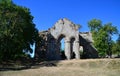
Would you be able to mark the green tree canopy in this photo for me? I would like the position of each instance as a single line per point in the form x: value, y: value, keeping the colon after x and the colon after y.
x: 95, y: 25
x: 102, y: 36
x: 117, y: 50
x: 17, y: 30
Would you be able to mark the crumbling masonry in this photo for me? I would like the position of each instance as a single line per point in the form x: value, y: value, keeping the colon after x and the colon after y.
x: 74, y: 41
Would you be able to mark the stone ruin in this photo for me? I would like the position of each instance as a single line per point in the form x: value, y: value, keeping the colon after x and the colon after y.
x: 75, y: 42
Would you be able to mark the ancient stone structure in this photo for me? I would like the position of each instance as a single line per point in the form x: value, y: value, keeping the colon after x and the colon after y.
x: 73, y: 41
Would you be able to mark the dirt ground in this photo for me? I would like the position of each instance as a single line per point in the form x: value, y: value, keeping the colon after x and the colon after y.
x: 87, y: 67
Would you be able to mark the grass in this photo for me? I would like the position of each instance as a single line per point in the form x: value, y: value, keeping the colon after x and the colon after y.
x: 88, y: 67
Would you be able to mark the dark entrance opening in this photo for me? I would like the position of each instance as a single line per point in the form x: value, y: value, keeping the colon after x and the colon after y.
x: 61, y: 42
x: 72, y: 47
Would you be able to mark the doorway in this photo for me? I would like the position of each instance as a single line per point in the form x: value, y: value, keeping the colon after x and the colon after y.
x: 61, y: 42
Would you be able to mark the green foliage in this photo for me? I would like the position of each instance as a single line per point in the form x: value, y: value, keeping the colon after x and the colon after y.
x: 102, y: 36
x: 17, y: 30
x: 116, y: 47
x: 118, y: 40
x: 95, y: 25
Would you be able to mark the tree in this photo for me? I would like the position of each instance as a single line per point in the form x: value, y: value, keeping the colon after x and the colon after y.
x: 110, y: 30
x: 118, y: 46
x: 115, y: 49
x: 94, y: 25
x: 102, y: 36
x: 17, y: 30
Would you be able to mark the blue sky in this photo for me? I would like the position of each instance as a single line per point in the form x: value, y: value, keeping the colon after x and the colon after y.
x: 47, y: 12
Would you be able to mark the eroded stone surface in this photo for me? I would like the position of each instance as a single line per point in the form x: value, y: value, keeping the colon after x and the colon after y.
x: 66, y: 29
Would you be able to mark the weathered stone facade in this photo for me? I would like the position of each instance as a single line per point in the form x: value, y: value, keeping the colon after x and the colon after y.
x: 73, y: 40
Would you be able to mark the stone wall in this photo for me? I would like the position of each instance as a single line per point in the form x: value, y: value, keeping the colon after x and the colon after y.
x: 66, y: 29
x: 86, y: 41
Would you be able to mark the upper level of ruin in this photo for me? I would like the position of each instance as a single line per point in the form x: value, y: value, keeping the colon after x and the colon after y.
x: 67, y: 28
